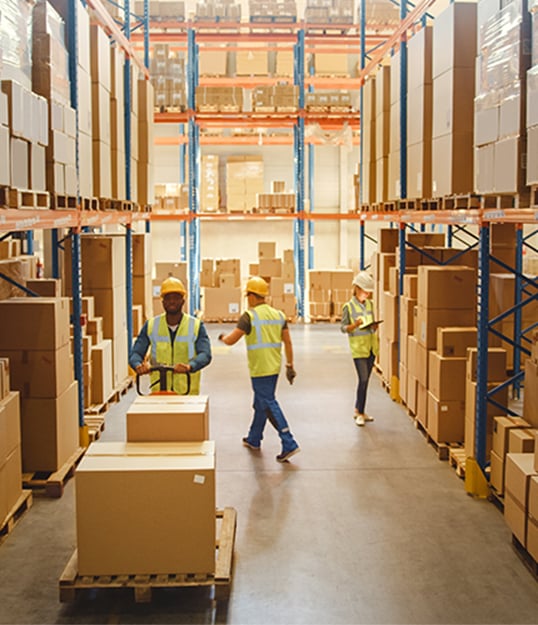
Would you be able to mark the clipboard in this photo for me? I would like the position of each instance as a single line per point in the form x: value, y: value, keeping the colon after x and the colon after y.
x: 373, y: 323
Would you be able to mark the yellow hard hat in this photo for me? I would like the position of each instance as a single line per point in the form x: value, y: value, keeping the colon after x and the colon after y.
x: 258, y: 286
x: 172, y: 285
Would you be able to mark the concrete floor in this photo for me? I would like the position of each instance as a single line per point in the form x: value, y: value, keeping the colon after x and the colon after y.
x: 365, y: 525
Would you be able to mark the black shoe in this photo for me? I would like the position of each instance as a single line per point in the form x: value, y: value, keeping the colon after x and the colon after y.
x: 286, y: 455
x: 250, y: 445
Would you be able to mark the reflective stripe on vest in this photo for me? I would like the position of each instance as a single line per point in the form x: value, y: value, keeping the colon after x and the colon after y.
x: 183, y: 350
x: 362, y: 342
x: 265, y: 340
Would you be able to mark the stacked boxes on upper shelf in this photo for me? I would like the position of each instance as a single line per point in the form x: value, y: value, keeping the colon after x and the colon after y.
x: 394, y: 185
x: 500, y: 103
x: 532, y: 100
x: 218, y: 11
x: 382, y: 132
x: 419, y: 121
x: 244, y: 180
x: 453, y: 71
x: 167, y: 71
x: 117, y: 123
x: 50, y: 78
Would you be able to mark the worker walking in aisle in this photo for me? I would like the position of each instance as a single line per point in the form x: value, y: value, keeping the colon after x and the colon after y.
x: 265, y: 329
x: 359, y: 324
x: 176, y: 339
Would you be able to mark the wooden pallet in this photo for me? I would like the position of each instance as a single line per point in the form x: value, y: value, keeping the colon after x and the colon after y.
x: 534, y: 196
x: 441, y: 449
x: 61, y: 201
x: 96, y: 425
x: 115, y: 205
x: 51, y: 484
x: 525, y: 557
x: 23, y: 503
x: 89, y: 203
x: 505, y: 200
x: 114, y: 398
x: 26, y: 198
x: 457, y: 458
x: 455, y: 202
x: 72, y: 583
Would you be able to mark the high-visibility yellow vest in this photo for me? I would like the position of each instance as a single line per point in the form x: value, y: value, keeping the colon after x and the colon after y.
x: 264, y: 342
x: 163, y: 352
x: 362, y: 342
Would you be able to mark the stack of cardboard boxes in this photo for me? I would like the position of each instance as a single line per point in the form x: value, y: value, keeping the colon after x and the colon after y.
x: 50, y: 78
x: 220, y: 280
x: 219, y: 99
x: 10, y: 444
x: 329, y: 291
x: 103, y: 277
x: 142, y: 284
x: 244, y: 180
x: 500, y: 104
x: 280, y: 274
x: 162, y: 270
x: 382, y: 132
x: 167, y: 70
x: 168, y: 461
x: 172, y: 198
x: 41, y: 370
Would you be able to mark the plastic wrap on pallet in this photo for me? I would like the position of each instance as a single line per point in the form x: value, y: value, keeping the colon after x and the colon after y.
x: 50, y: 71
x: 15, y: 41
x: 167, y: 72
x: 532, y: 97
x: 502, y: 49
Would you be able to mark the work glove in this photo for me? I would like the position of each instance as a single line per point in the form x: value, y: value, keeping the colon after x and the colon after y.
x: 290, y: 373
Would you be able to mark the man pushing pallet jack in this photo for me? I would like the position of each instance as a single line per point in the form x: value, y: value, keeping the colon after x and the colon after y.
x: 146, y: 510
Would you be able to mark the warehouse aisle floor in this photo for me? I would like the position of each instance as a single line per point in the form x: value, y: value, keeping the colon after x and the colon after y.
x: 365, y: 525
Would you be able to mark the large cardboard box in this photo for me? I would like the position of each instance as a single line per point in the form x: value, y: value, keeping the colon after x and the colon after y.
x: 103, y: 262
x: 515, y: 516
x: 496, y: 364
x: 45, y: 321
x: 446, y: 287
x: 10, y: 424
x: 221, y: 303
x: 446, y: 377
x: 41, y: 373
x: 453, y: 342
x: 454, y: 37
x: 168, y: 419
x: 519, y: 468
x: 501, y: 431
x: 49, y: 430
x: 532, y: 519
x: 496, y: 478
x: 430, y: 319
x: 102, y: 384
x: 521, y: 441
x: 147, y: 530
x: 446, y: 419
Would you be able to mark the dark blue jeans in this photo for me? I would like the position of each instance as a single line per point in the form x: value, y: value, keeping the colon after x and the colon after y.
x: 266, y: 407
x: 364, y: 369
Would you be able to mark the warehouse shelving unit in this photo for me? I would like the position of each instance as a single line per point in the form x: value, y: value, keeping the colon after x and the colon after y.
x: 302, y: 38
x: 75, y: 221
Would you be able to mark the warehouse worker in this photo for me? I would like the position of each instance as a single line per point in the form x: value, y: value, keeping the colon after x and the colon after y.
x: 176, y: 339
x: 358, y: 323
x: 265, y: 329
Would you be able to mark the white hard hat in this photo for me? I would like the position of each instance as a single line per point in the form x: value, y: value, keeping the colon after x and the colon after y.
x: 364, y: 281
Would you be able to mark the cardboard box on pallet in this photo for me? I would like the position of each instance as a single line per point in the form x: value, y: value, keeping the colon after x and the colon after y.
x: 446, y: 419
x: 446, y: 287
x: 519, y: 468
x: 496, y: 477
x: 168, y: 420
x: 532, y: 518
x: 470, y: 415
x: 130, y: 495
x: 49, y: 430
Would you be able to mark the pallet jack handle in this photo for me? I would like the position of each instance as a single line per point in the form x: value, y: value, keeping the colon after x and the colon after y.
x: 163, y: 370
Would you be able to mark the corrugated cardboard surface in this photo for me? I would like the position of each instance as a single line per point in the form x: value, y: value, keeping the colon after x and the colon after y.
x: 158, y: 511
